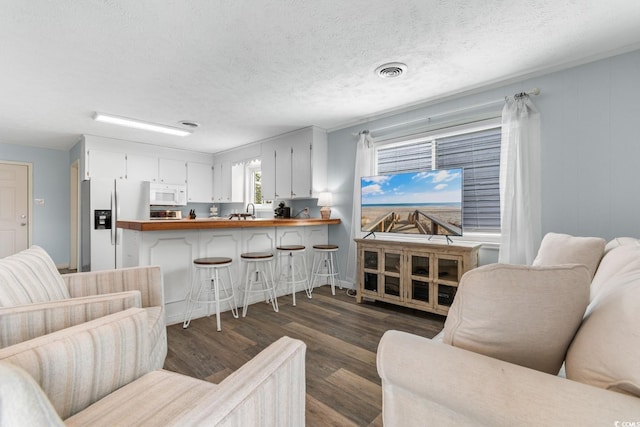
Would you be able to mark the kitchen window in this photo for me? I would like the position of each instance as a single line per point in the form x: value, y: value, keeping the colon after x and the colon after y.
x: 254, y: 186
x: 474, y: 147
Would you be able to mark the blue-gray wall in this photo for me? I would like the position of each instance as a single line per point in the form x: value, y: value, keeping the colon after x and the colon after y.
x: 50, y: 222
x: 590, y: 149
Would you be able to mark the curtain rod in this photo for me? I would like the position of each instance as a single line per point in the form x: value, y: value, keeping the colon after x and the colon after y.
x: 535, y: 91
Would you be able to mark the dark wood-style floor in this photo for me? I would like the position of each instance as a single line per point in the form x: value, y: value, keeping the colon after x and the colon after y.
x: 343, y: 387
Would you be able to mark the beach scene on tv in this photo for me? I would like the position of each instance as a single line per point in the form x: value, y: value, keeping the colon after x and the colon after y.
x: 428, y: 202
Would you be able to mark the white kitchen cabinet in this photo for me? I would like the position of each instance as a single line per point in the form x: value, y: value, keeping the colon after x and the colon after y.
x: 105, y: 164
x: 142, y: 168
x: 172, y: 171
x: 217, y: 182
x: 294, y: 165
x: 283, y: 157
x: 301, y: 173
x: 199, y: 182
x: 222, y: 181
x: 228, y: 182
x: 237, y: 183
x: 268, y: 170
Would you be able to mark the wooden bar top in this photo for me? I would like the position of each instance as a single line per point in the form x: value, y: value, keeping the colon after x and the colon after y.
x: 204, y: 223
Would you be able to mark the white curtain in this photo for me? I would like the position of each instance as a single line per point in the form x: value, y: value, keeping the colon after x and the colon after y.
x: 520, y: 182
x: 364, y: 166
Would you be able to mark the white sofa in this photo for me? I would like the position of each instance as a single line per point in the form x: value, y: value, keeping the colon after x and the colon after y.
x: 97, y: 373
x: 35, y: 299
x: 497, y: 360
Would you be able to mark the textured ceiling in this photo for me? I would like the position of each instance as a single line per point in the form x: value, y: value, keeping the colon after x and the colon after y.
x: 248, y: 70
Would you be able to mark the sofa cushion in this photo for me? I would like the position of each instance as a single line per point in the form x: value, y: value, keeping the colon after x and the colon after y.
x: 22, y: 401
x: 620, y: 241
x: 520, y: 314
x: 30, y: 276
x: 79, y: 365
x: 622, y: 256
x: 557, y: 249
x: 604, y: 352
x: 158, y: 398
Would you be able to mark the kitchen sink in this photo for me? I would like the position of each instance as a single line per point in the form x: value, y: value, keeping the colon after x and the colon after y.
x: 241, y: 216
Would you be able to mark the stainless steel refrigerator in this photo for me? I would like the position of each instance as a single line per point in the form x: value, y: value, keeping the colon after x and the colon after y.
x: 102, y: 204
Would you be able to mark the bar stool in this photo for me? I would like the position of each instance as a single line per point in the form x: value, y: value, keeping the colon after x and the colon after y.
x: 201, y: 294
x: 294, y: 274
x: 258, y: 271
x: 324, y: 259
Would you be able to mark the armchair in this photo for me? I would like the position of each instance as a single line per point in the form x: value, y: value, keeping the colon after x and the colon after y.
x: 427, y: 383
x: 36, y: 300
x: 97, y: 373
x: 498, y: 360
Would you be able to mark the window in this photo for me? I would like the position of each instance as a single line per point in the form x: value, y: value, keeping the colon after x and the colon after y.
x: 475, y: 148
x: 254, y: 185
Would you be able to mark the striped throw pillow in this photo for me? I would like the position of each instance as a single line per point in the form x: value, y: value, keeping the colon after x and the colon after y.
x: 30, y: 276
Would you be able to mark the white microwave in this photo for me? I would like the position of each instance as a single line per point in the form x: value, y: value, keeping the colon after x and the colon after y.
x: 167, y: 194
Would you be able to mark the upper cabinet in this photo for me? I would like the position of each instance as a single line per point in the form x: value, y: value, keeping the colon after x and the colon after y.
x: 237, y: 183
x: 105, y: 164
x: 172, y: 171
x: 228, y: 182
x: 302, y: 171
x: 294, y: 165
x: 134, y: 167
x: 284, y: 174
x: 142, y: 168
x: 221, y: 181
x: 268, y: 170
x: 199, y: 182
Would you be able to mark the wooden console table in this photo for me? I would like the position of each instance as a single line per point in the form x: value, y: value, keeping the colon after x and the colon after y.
x: 424, y: 276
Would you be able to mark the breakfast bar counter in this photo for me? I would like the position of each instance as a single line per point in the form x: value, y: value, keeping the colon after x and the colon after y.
x: 205, y: 223
x: 173, y: 244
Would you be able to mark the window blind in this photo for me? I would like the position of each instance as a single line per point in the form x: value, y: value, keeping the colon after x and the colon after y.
x: 405, y: 158
x: 479, y: 154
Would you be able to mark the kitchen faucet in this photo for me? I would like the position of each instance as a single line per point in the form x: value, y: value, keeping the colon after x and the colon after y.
x: 253, y: 210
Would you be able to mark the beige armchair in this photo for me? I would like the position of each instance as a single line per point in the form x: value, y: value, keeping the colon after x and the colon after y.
x: 510, y: 329
x: 36, y: 300
x: 97, y: 373
x: 426, y: 383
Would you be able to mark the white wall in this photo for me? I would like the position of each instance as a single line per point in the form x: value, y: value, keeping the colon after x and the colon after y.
x: 590, y: 149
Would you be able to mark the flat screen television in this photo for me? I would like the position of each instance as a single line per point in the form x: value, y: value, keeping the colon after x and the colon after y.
x: 427, y: 203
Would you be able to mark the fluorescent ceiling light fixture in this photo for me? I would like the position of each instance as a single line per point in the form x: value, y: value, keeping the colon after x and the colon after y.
x: 138, y: 124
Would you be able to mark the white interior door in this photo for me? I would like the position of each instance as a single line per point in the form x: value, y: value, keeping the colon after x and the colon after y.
x: 14, y: 208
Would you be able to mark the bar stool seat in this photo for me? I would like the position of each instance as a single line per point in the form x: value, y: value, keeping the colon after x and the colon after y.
x: 291, y: 248
x: 325, y: 265
x: 258, y: 270
x: 210, y: 295
x: 296, y: 271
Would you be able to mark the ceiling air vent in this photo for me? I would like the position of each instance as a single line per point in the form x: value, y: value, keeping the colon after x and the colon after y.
x: 391, y: 70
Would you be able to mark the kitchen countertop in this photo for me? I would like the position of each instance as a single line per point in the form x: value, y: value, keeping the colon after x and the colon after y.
x: 203, y: 223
